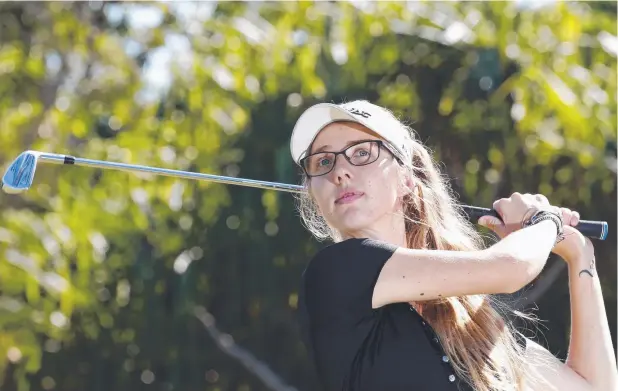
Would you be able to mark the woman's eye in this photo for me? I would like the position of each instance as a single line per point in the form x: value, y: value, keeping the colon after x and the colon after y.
x: 361, y: 152
x: 323, y: 162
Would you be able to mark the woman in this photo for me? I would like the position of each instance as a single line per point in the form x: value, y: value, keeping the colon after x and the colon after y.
x: 401, y: 300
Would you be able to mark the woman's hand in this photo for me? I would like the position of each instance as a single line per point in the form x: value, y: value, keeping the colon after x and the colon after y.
x: 513, y: 211
x: 574, y: 246
x: 518, y: 207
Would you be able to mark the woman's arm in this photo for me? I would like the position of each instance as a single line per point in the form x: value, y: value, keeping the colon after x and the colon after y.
x: 590, y: 363
x: 507, y: 266
x: 591, y: 353
x: 545, y: 372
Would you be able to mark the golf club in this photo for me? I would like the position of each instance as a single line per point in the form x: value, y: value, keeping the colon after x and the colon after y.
x: 20, y: 175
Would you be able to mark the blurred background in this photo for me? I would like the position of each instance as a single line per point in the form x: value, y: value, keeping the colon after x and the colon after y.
x: 117, y: 281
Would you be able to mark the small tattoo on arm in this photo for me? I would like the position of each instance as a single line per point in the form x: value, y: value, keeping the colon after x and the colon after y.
x: 589, y: 271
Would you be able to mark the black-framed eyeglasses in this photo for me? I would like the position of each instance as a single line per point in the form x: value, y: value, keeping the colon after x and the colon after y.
x: 358, y: 154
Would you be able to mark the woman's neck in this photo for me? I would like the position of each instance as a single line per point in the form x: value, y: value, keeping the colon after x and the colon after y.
x: 390, y: 229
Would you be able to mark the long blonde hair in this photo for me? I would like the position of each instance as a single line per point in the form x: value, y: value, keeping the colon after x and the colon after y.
x: 479, y: 342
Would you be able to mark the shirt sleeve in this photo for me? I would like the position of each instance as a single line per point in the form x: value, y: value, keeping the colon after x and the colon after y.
x: 339, y: 282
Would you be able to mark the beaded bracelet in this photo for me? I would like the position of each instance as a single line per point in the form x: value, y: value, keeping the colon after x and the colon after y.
x: 542, y: 215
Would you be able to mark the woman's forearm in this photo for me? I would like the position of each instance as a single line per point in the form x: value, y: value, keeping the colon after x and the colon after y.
x: 590, y: 354
x: 529, y: 248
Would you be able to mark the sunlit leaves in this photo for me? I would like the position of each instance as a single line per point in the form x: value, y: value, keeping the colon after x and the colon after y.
x: 86, y: 249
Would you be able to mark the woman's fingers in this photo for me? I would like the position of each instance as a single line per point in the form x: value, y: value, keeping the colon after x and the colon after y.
x: 519, y: 207
x: 569, y: 217
x: 494, y: 224
x: 542, y: 199
x: 575, y: 218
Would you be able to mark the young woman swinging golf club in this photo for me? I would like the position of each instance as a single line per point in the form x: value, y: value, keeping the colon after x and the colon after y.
x: 403, y: 299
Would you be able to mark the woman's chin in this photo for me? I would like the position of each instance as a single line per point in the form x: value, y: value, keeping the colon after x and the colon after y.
x: 352, y: 220
x: 352, y: 227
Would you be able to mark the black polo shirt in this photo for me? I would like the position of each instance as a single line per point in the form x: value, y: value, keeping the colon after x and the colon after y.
x: 355, y: 347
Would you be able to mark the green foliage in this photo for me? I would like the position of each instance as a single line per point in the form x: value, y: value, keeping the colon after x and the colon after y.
x: 100, y: 270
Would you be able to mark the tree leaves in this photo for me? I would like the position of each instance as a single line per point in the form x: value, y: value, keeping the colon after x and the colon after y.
x: 107, y: 261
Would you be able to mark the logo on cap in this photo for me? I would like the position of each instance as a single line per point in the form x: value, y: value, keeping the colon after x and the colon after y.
x: 358, y: 112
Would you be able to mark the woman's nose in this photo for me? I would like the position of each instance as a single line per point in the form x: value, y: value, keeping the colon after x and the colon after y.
x: 342, y: 170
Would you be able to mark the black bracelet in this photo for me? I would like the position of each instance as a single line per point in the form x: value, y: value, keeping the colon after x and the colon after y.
x: 547, y: 215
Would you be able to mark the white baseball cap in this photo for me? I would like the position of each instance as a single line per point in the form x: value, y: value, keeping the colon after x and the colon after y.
x: 373, y: 117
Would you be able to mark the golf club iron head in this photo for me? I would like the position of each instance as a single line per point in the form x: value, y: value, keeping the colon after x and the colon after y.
x: 20, y: 174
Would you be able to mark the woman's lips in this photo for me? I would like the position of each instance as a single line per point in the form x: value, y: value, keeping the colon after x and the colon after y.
x: 349, y: 197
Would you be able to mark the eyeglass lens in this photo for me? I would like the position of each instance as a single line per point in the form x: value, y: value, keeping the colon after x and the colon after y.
x: 359, y: 154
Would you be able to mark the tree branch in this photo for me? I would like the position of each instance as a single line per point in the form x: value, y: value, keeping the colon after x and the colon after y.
x: 226, y: 343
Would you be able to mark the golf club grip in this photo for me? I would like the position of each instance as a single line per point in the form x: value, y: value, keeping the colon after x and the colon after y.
x: 591, y: 229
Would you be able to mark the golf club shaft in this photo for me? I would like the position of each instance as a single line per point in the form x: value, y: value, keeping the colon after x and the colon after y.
x: 70, y: 160
x: 592, y: 229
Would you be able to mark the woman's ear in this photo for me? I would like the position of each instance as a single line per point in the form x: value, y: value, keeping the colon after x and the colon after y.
x: 408, y: 185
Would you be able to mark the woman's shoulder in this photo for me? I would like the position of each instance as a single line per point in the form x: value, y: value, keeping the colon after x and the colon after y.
x: 342, y: 275
x: 350, y: 254
x: 352, y: 247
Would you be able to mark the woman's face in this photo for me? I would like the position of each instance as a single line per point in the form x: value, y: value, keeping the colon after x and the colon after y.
x: 355, y: 199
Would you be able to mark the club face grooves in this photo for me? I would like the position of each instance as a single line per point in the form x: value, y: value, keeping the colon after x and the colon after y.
x: 20, y: 174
